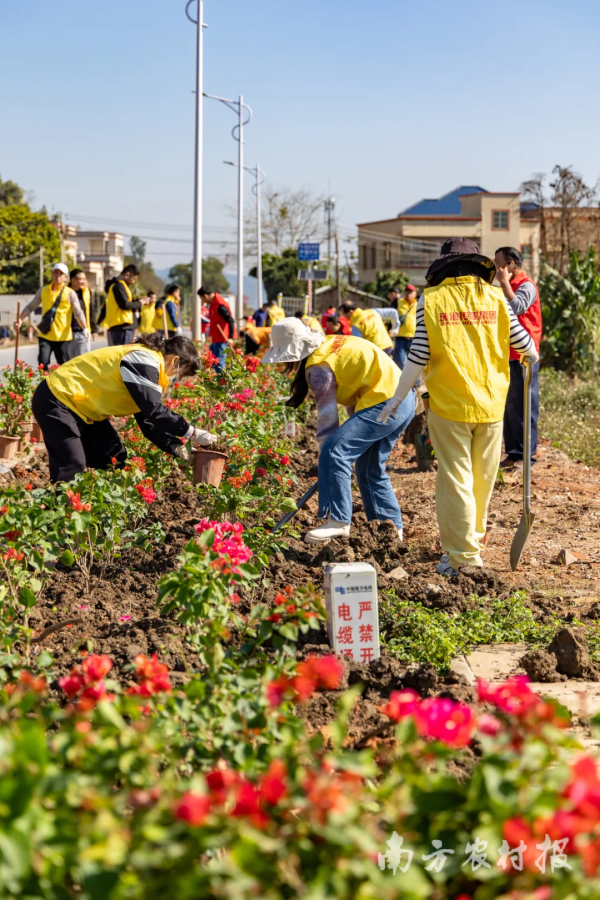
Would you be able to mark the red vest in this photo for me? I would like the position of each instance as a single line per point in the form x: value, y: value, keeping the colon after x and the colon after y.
x: 531, y: 320
x: 325, y: 316
x: 219, y: 329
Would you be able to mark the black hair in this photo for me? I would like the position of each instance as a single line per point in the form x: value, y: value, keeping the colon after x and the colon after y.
x: 299, y: 388
x: 299, y: 315
x: 512, y: 254
x: 172, y: 287
x: 459, y: 269
x: 108, y: 284
x: 347, y: 307
x: 333, y: 319
x: 271, y: 302
x: 130, y: 270
x: 74, y: 272
x: 180, y: 346
x: 204, y: 292
x: 152, y: 293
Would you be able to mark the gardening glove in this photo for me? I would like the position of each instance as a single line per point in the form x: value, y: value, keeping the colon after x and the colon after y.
x: 394, y: 332
x: 203, y: 438
x: 86, y: 334
x: 410, y: 373
x: 532, y: 355
x: 181, y: 452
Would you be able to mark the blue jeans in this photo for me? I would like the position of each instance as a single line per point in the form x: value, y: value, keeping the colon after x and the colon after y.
x: 219, y: 351
x: 364, y: 440
x: 513, y: 412
x: 401, y: 349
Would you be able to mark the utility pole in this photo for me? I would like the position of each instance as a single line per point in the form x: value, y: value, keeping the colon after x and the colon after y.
x: 62, y: 238
x: 41, y: 267
x: 259, y: 286
x: 338, y: 278
x: 240, y: 295
x: 329, y: 208
x: 197, y: 247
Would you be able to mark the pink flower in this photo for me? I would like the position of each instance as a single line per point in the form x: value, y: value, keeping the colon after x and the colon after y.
x: 124, y: 618
x: 401, y: 704
x: 444, y: 720
x: 514, y: 696
x: 228, y: 542
x: 488, y: 724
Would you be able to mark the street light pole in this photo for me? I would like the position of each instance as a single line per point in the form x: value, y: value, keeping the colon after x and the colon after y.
x: 240, y: 293
x: 259, y: 176
x: 197, y: 247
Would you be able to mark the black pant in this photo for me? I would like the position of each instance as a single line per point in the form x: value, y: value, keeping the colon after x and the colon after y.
x: 47, y: 348
x: 251, y: 346
x: 119, y: 335
x: 72, y: 444
x: 513, y: 414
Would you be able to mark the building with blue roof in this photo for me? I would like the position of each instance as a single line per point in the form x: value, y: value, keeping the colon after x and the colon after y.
x: 412, y: 239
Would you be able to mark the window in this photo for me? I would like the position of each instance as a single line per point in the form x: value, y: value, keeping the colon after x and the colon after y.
x: 387, y: 248
x: 500, y: 219
x: 526, y: 251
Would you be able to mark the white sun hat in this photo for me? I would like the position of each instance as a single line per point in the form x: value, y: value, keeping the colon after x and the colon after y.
x: 291, y: 341
x: 61, y: 267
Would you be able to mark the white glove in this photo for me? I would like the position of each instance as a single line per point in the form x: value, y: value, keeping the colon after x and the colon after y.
x: 86, y: 334
x: 532, y: 355
x: 394, y: 332
x: 179, y: 330
x: 410, y: 373
x: 203, y: 438
x: 389, y: 409
x: 181, y: 452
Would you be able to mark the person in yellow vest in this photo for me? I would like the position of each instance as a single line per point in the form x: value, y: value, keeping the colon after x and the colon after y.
x: 147, y: 314
x: 80, y: 344
x: 347, y: 371
x: 311, y: 321
x: 120, y: 307
x: 73, y: 405
x: 275, y: 312
x: 369, y: 324
x: 60, y: 305
x: 256, y: 337
x: 465, y: 329
x: 172, y: 309
x: 407, y: 311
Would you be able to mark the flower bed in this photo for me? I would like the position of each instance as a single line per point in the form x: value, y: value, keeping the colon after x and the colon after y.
x: 124, y: 777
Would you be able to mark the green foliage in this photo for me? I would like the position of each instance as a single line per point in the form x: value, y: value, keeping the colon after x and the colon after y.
x: 11, y: 194
x: 571, y: 314
x: 280, y: 275
x: 570, y: 414
x: 23, y: 232
x: 212, y: 276
x: 148, y: 280
x: 385, y: 281
x: 413, y: 633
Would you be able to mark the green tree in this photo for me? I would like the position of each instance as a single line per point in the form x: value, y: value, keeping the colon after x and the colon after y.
x: 384, y: 282
x: 148, y: 280
x: 11, y: 194
x: 23, y: 232
x: 212, y: 276
x: 280, y: 275
x: 571, y: 314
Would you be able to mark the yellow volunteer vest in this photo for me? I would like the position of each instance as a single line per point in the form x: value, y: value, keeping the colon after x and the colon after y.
x: 370, y: 324
x: 87, y: 301
x: 159, y: 320
x: 92, y: 387
x: 171, y: 325
x: 259, y: 335
x: 409, y: 310
x: 114, y: 314
x: 364, y: 374
x: 313, y: 323
x: 276, y: 313
x: 61, y: 326
x: 469, y: 339
x: 147, y: 319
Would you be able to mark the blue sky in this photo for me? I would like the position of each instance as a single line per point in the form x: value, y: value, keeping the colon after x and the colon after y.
x: 381, y: 104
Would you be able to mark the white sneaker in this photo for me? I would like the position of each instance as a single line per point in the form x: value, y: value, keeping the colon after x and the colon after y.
x: 401, y: 533
x: 327, y: 531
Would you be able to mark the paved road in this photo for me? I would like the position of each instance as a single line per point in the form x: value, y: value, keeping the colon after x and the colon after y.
x: 29, y: 353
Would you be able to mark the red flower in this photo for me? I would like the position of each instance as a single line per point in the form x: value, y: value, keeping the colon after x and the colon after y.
x: 113, y: 460
x: 3, y: 510
x: 76, y: 504
x: 11, y: 535
x: 152, y: 677
x: 260, y: 473
x: 38, y: 685
x: 272, y: 786
x: 193, y: 809
x: 146, y: 492
x: 284, y: 460
x: 220, y: 782
x: 248, y: 804
x: 29, y: 487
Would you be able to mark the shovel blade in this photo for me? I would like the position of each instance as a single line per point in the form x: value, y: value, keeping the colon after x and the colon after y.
x: 520, y: 539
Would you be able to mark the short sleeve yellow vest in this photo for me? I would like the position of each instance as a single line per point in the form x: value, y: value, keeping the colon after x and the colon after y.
x: 92, y: 387
x: 370, y: 324
x: 114, y: 314
x: 469, y: 339
x: 61, y: 326
x: 408, y: 328
x: 364, y: 374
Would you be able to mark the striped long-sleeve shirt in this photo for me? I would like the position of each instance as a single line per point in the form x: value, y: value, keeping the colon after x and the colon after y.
x: 419, y: 352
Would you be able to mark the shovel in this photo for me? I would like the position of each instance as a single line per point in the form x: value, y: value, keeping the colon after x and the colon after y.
x: 527, y: 519
x: 300, y: 503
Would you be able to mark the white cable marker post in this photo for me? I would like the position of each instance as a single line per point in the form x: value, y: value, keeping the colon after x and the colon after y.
x: 352, y: 610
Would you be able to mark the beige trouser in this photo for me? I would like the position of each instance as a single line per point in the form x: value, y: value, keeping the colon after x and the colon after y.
x: 468, y: 457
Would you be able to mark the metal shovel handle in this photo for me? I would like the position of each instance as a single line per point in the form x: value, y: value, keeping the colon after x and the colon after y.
x: 527, y: 376
x: 300, y: 503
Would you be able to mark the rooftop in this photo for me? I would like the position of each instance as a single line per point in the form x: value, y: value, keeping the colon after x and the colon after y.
x: 448, y: 205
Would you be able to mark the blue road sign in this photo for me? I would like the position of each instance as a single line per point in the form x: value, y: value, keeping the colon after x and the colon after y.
x: 308, y: 252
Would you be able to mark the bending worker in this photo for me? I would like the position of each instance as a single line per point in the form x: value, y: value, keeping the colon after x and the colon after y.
x: 465, y: 329
x: 74, y: 403
x: 368, y: 323
x: 356, y: 374
x: 60, y: 304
